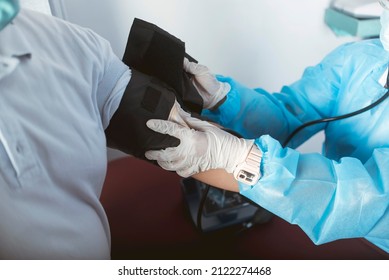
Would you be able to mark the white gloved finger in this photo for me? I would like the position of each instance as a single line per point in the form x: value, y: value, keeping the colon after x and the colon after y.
x: 165, y: 127
x: 172, y: 156
x: 187, y: 172
x: 211, y: 90
x: 167, y: 165
x: 194, y: 68
x: 177, y: 114
x: 198, y: 124
x: 160, y: 155
x: 179, y: 162
x: 173, y: 165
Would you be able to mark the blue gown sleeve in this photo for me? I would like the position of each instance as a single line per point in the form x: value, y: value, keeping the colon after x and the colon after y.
x: 329, y: 200
x: 255, y: 112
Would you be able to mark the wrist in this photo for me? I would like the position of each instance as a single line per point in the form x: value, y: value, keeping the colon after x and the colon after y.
x: 248, y: 171
x: 219, y: 97
x: 177, y: 114
x: 214, y: 108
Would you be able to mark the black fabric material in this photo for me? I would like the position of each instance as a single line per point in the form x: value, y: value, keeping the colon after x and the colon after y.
x: 144, y: 98
x: 153, y: 51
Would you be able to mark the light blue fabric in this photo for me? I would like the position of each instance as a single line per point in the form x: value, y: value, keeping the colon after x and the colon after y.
x: 343, y: 192
x: 54, y: 106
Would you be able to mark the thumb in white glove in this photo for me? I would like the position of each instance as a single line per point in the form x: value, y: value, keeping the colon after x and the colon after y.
x: 203, y: 147
x: 211, y: 90
x: 178, y: 115
x: 384, y: 33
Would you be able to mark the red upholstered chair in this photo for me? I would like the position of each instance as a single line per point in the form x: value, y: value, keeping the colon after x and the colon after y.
x: 148, y: 220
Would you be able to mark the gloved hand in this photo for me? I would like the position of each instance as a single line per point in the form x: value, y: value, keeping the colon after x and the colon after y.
x: 178, y: 115
x: 384, y: 4
x: 203, y: 147
x: 211, y: 90
x: 384, y: 33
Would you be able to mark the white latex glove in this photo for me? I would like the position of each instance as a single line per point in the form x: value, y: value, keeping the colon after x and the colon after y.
x: 384, y: 33
x: 384, y: 4
x: 203, y: 147
x: 211, y: 90
x: 178, y: 115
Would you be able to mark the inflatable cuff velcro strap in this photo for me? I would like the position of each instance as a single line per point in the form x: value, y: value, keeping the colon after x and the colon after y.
x: 144, y: 98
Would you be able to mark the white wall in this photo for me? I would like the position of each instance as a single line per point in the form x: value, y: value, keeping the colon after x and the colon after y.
x: 261, y: 43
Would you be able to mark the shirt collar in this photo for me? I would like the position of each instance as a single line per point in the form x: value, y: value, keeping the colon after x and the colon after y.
x: 12, y: 55
x: 14, y: 50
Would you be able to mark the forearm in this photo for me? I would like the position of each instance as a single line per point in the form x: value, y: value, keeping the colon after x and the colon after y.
x: 253, y: 113
x: 329, y: 200
x: 248, y: 113
x: 218, y: 178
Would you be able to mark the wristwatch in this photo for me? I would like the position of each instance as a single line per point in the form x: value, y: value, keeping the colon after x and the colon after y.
x: 248, y: 171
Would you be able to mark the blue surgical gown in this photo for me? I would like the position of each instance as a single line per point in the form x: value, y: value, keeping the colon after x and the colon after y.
x: 343, y: 192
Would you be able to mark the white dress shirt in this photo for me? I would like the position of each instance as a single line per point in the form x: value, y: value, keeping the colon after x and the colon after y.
x: 59, y: 86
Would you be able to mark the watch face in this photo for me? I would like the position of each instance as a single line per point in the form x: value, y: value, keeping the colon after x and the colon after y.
x: 247, y: 177
x: 248, y: 171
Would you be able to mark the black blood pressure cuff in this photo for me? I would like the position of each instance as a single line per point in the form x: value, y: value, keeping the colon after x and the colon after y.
x: 155, y: 52
x: 158, y: 79
x: 144, y: 98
